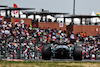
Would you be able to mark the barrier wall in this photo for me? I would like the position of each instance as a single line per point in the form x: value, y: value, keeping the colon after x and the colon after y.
x: 51, y: 25
x: 91, y: 30
x: 26, y: 21
x: 39, y: 24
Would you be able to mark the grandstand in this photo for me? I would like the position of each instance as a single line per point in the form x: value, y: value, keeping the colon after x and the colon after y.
x: 22, y: 38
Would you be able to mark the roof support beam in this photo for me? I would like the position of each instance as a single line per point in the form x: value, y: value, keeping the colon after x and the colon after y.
x: 85, y: 21
x: 34, y: 17
x: 41, y: 18
x: 64, y: 20
x: 10, y: 14
x: 81, y: 21
x: 6, y: 14
x: 26, y: 15
x: 19, y: 13
x: 45, y: 18
x: 72, y: 21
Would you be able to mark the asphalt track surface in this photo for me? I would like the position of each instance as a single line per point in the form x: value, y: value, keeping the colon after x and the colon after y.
x: 66, y: 60
x: 56, y: 60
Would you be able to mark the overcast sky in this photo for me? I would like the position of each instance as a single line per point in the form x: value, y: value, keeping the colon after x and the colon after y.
x: 82, y: 6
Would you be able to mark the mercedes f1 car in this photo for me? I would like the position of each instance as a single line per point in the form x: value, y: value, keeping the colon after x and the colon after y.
x: 62, y: 51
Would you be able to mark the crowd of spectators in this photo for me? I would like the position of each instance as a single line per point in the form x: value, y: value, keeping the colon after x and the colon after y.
x: 21, y: 40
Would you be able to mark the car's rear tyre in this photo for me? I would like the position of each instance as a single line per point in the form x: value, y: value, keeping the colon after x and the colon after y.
x: 77, y: 54
x: 46, y: 52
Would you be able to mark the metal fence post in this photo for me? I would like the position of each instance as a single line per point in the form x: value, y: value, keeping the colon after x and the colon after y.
x: 5, y: 48
x: 20, y: 50
x: 20, y: 47
x: 35, y: 50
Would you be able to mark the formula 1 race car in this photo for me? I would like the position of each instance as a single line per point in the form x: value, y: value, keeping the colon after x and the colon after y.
x: 62, y: 51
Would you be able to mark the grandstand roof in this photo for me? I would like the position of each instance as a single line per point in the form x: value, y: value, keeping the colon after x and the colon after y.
x: 43, y: 13
x: 3, y: 6
x: 80, y: 16
x: 11, y: 8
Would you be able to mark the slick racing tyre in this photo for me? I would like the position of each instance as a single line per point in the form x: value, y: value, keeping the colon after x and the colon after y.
x: 46, y: 52
x: 77, y: 53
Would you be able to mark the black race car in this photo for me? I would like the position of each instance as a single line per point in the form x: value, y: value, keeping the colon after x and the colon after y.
x: 62, y: 51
